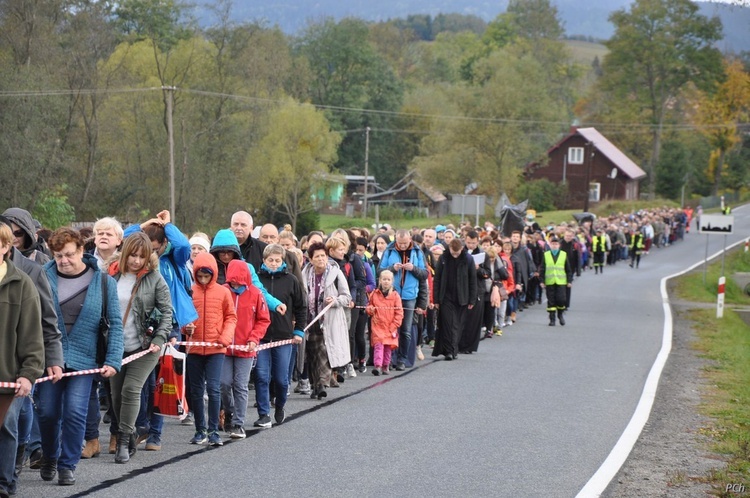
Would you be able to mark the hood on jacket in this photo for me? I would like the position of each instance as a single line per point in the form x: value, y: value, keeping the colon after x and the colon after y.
x: 280, y: 269
x: 205, y: 260
x: 226, y: 240
x: 239, y: 273
x: 23, y: 219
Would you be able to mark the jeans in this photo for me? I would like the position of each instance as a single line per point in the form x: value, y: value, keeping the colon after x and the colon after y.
x: 92, y: 416
x: 272, y: 364
x: 62, y: 409
x: 146, y: 417
x: 205, y: 370
x: 404, y: 333
x: 235, y: 375
x: 9, y: 441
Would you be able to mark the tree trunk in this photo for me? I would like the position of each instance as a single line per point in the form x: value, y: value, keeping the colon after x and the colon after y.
x: 717, y: 172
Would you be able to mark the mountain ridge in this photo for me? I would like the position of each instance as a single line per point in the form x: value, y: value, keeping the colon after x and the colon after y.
x: 292, y: 17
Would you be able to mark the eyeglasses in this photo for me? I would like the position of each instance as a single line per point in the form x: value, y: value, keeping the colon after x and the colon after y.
x: 18, y: 233
x: 59, y: 256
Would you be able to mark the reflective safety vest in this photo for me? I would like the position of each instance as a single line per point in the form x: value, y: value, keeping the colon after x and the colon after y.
x: 599, y: 243
x: 555, y: 270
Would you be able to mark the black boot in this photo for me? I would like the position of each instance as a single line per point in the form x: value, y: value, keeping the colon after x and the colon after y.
x: 551, y: 318
x: 122, y: 454
x: 560, y: 317
x: 132, y: 444
x: 20, y: 456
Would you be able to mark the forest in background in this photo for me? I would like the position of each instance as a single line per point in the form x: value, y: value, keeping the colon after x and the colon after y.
x: 260, y: 117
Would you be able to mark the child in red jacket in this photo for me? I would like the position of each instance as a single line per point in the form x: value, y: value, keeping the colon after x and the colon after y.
x: 252, y: 321
x: 387, y: 313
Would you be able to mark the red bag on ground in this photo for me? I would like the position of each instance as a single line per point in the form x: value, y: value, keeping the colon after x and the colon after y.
x: 169, y: 397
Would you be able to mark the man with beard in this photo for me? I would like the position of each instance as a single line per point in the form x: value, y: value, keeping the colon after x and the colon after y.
x: 455, y: 293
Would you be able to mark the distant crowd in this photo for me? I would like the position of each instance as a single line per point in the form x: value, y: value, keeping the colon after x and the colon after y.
x: 261, y: 310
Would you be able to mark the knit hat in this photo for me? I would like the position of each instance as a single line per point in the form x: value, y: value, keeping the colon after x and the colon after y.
x: 200, y: 241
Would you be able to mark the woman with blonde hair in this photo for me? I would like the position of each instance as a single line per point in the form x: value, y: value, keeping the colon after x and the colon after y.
x: 144, y: 297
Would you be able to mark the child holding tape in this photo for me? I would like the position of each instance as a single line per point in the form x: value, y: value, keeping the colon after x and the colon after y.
x: 387, y: 313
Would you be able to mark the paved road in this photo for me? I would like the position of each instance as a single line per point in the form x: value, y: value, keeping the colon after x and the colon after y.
x: 534, y: 413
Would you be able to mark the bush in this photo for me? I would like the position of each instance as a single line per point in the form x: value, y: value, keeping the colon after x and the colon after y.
x: 53, y: 210
x: 543, y: 195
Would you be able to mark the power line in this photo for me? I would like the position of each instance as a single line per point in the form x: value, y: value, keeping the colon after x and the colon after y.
x: 632, y: 127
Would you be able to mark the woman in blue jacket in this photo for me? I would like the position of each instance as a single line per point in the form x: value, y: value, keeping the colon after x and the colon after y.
x: 76, y: 283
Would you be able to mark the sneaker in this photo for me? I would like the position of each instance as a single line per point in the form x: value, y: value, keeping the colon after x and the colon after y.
x: 141, y: 434
x: 279, y: 416
x: 304, y: 386
x: 386, y: 369
x: 362, y: 367
x: 237, y: 432
x: 264, y: 421
x: 498, y: 332
x: 399, y: 367
x: 420, y: 355
x: 215, y: 440
x: 200, y: 438
x: 350, y: 371
x: 188, y: 420
x: 376, y: 371
x: 153, y: 443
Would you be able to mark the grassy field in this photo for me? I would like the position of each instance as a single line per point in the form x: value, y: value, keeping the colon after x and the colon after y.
x: 691, y: 286
x: 585, y: 52
x: 726, y: 343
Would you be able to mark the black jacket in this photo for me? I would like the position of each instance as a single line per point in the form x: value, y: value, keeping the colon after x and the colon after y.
x: 252, y: 251
x: 286, y: 288
x: 466, y: 279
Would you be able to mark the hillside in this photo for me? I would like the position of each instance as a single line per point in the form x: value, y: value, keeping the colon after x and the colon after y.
x: 580, y: 17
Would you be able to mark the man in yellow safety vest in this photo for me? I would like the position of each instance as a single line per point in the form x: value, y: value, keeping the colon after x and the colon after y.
x: 556, y: 275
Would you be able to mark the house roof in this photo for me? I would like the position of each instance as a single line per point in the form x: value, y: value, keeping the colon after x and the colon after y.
x: 618, y: 158
x: 411, y: 178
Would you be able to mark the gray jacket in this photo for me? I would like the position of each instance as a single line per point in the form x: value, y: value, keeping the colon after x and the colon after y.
x: 151, y: 292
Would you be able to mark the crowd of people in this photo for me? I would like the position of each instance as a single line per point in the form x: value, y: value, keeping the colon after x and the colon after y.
x: 261, y: 310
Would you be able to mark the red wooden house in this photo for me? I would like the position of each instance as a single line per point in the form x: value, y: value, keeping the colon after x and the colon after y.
x: 590, y: 165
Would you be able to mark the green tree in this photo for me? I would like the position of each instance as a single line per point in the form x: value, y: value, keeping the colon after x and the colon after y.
x: 659, y: 46
x: 53, y: 210
x: 510, y: 118
x: 360, y: 90
x: 296, y: 152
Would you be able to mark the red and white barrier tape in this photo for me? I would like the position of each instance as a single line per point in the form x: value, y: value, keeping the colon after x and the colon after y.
x: 125, y: 361
x: 78, y: 373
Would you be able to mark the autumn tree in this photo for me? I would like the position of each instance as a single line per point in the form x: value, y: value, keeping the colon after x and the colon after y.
x: 658, y: 48
x: 719, y: 114
x: 291, y: 159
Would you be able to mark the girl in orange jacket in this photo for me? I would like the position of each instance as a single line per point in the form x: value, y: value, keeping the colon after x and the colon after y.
x: 387, y: 313
x: 216, y: 323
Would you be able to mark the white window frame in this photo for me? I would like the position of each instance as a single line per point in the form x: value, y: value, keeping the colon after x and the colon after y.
x: 595, y: 191
x: 575, y: 155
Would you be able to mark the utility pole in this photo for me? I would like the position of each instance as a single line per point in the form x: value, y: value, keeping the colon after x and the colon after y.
x: 589, y: 151
x: 170, y: 136
x: 367, y: 160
